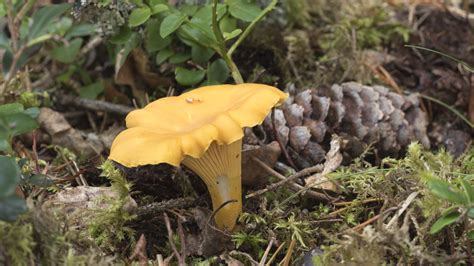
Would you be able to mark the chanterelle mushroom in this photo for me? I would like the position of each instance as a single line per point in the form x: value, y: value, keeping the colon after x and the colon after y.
x: 203, y: 130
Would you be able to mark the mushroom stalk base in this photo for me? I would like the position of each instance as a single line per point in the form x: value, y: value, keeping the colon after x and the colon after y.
x: 220, y: 169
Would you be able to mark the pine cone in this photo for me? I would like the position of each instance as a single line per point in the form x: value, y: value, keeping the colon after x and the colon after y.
x: 361, y: 115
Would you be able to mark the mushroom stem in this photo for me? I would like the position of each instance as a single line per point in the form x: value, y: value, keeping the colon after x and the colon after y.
x: 220, y: 169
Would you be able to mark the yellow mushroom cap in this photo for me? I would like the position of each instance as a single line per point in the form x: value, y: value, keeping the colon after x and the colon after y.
x: 168, y: 129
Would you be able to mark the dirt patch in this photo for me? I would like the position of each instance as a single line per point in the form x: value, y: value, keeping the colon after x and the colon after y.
x: 437, y: 76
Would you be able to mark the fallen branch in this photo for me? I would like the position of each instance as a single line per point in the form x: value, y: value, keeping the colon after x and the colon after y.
x: 181, y: 259
x: 293, y: 185
x: 162, y: 206
x: 94, y: 105
x: 274, y: 186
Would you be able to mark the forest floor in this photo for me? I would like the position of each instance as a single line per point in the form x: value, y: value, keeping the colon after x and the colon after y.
x: 380, y: 200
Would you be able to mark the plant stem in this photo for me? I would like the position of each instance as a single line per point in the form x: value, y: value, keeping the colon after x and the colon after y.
x: 222, y: 50
x: 11, y: 24
x: 21, y: 14
x: 251, y: 26
x: 453, y: 110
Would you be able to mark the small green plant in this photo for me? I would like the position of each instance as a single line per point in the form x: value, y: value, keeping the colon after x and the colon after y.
x: 47, y: 25
x: 459, y: 195
x: 109, y: 225
x: 297, y: 229
x: 253, y: 241
x: 14, y: 121
x: 188, y: 36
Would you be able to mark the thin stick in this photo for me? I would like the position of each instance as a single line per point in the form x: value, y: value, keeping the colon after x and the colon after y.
x: 468, y: 241
x: 273, y: 257
x: 311, y: 193
x: 94, y: 105
x: 182, y: 237
x: 267, y: 251
x: 162, y: 206
x: 11, y: 24
x: 345, y: 203
x: 159, y: 259
x: 181, y: 261
x: 286, y: 259
x: 364, y: 224
x: 274, y: 186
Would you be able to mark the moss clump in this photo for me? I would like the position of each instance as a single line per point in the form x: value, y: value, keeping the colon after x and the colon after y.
x: 108, y: 226
x: 16, y: 241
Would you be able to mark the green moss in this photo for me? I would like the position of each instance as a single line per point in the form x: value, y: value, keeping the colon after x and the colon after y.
x: 108, y: 226
x: 17, y: 241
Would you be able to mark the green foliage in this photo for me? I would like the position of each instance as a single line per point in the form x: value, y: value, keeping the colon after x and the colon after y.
x: 177, y: 33
x: 10, y: 204
x: 17, y: 240
x: 47, y: 24
x: 47, y: 32
x: 372, y: 27
x: 255, y: 242
x: 296, y: 229
x: 14, y: 121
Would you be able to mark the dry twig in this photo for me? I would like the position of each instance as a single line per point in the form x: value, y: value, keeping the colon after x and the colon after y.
x: 156, y: 207
x: 293, y: 185
x: 274, y: 186
x: 179, y: 257
x: 94, y: 105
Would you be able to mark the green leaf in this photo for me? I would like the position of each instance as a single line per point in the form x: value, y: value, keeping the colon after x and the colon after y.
x: 67, y: 54
x: 188, y: 9
x: 4, y: 136
x: 43, y: 18
x: 154, y: 42
x: 11, y: 207
x: 163, y: 55
x: 204, y: 14
x: 198, y: 33
x: 40, y: 180
x: 157, y: 2
x: 228, y: 24
x: 171, y: 23
x: 11, y: 108
x: 8, y: 59
x: 9, y: 176
x: 468, y: 188
x: 446, y: 191
x: 92, y: 91
x: 179, y: 58
x: 187, y: 77
x: 139, y: 16
x: 470, y: 213
x: 80, y: 30
x: 200, y: 54
x: 61, y: 26
x: 218, y: 72
x: 123, y: 36
x: 4, y: 41
x: 244, y: 10
x: 20, y: 123
x: 232, y: 35
x: 444, y: 221
x: 159, y: 8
